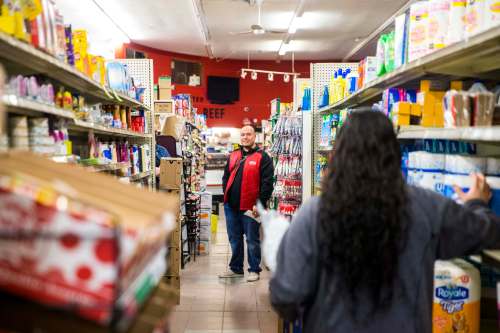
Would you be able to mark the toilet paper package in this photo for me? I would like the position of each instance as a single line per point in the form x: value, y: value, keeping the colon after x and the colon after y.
x: 492, y: 14
x: 439, y: 13
x: 493, y: 166
x: 450, y: 180
x: 474, y: 17
x: 431, y: 171
x: 465, y: 165
x: 457, y: 294
x: 494, y: 183
x: 456, y: 25
x: 458, y: 169
x: 418, y: 45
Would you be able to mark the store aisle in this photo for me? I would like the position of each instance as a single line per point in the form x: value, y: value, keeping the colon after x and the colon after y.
x: 208, y: 304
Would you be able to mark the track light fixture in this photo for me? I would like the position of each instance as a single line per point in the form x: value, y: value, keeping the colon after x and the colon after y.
x: 270, y: 74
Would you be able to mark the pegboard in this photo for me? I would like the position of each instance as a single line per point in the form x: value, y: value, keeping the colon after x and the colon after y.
x: 321, y: 74
x: 141, y: 70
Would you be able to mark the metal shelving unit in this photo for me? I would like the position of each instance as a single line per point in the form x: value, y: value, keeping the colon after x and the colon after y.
x: 80, y: 125
x: 33, y: 61
x: 321, y: 74
x: 476, y: 57
x: 474, y: 134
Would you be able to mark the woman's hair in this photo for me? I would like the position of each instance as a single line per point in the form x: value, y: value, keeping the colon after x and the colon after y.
x: 363, y: 229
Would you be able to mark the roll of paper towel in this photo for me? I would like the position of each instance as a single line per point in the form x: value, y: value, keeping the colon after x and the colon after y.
x: 457, y: 294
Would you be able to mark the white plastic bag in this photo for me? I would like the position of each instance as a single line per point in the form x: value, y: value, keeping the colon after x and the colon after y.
x: 274, y: 226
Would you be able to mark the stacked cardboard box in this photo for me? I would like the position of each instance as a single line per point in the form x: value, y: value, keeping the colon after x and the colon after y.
x: 171, y: 173
x: 172, y: 277
x: 205, y: 222
x: 78, y: 211
x: 164, y: 88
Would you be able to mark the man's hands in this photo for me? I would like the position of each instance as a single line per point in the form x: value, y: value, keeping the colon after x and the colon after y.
x: 255, y: 212
x: 480, y: 190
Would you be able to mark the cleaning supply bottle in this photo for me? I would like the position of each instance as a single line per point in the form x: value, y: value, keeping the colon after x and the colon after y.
x: 352, y: 84
x: 343, y: 84
x: 333, y: 82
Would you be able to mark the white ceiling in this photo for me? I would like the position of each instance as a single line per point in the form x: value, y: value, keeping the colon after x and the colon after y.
x: 328, y: 30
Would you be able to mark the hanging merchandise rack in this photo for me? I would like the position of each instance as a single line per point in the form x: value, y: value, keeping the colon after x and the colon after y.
x: 286, y: 150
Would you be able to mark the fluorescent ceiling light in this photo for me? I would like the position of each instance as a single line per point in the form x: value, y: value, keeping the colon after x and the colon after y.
x: 295, y: 25
x: 104, y: 33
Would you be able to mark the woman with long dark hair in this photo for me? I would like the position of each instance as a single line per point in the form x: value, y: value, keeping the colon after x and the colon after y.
x: 360, y: 258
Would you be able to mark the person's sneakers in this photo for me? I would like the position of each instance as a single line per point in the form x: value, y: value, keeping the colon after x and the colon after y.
x: 252, y: 277
x: 230, y: 274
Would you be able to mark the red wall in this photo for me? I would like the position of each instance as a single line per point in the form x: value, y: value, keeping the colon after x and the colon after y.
x: 254, y: 95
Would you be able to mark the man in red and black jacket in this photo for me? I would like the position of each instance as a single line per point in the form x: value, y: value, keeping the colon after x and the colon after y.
x: 248, y: 178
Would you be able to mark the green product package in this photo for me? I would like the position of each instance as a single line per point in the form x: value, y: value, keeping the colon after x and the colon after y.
x: 381, y: 55
x: 389, y: 53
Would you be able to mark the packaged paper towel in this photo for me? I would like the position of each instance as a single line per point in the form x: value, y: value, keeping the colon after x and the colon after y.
x: 493, y: 166
x: 494, y: 183
x: 439, y: 13
x: 475, y: 14
x: 457, y: 293
x: 456, y: 25
x: 418, y: 45
x: 431, y: 171
x: 492, y: 14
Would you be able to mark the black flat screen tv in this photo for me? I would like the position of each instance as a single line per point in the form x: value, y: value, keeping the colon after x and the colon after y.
x: 223, y: 90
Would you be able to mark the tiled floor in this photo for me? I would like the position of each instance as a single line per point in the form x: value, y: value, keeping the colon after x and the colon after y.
x: 211, y: 305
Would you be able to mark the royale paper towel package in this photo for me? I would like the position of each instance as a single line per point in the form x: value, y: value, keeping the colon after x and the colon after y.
x: 457, y: 293
x: 418, y: 45
x: 439, y: 13
x: 456, y: 25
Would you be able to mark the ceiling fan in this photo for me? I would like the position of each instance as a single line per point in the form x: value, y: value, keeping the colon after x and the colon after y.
x: 258, y: 29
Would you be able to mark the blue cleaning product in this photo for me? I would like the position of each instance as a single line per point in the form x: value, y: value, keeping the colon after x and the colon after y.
x: 324, y: 98
x: 306, y: 100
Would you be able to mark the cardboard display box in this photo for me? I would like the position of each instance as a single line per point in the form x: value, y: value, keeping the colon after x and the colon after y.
x: 174, y: 127
x: 79, y: 210
x: 171, y: 173
x: 164, y: 107
x: 164, y: 94
x: 165, y: 82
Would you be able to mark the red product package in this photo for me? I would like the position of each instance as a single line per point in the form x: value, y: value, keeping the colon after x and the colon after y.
x: 72, y: 256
